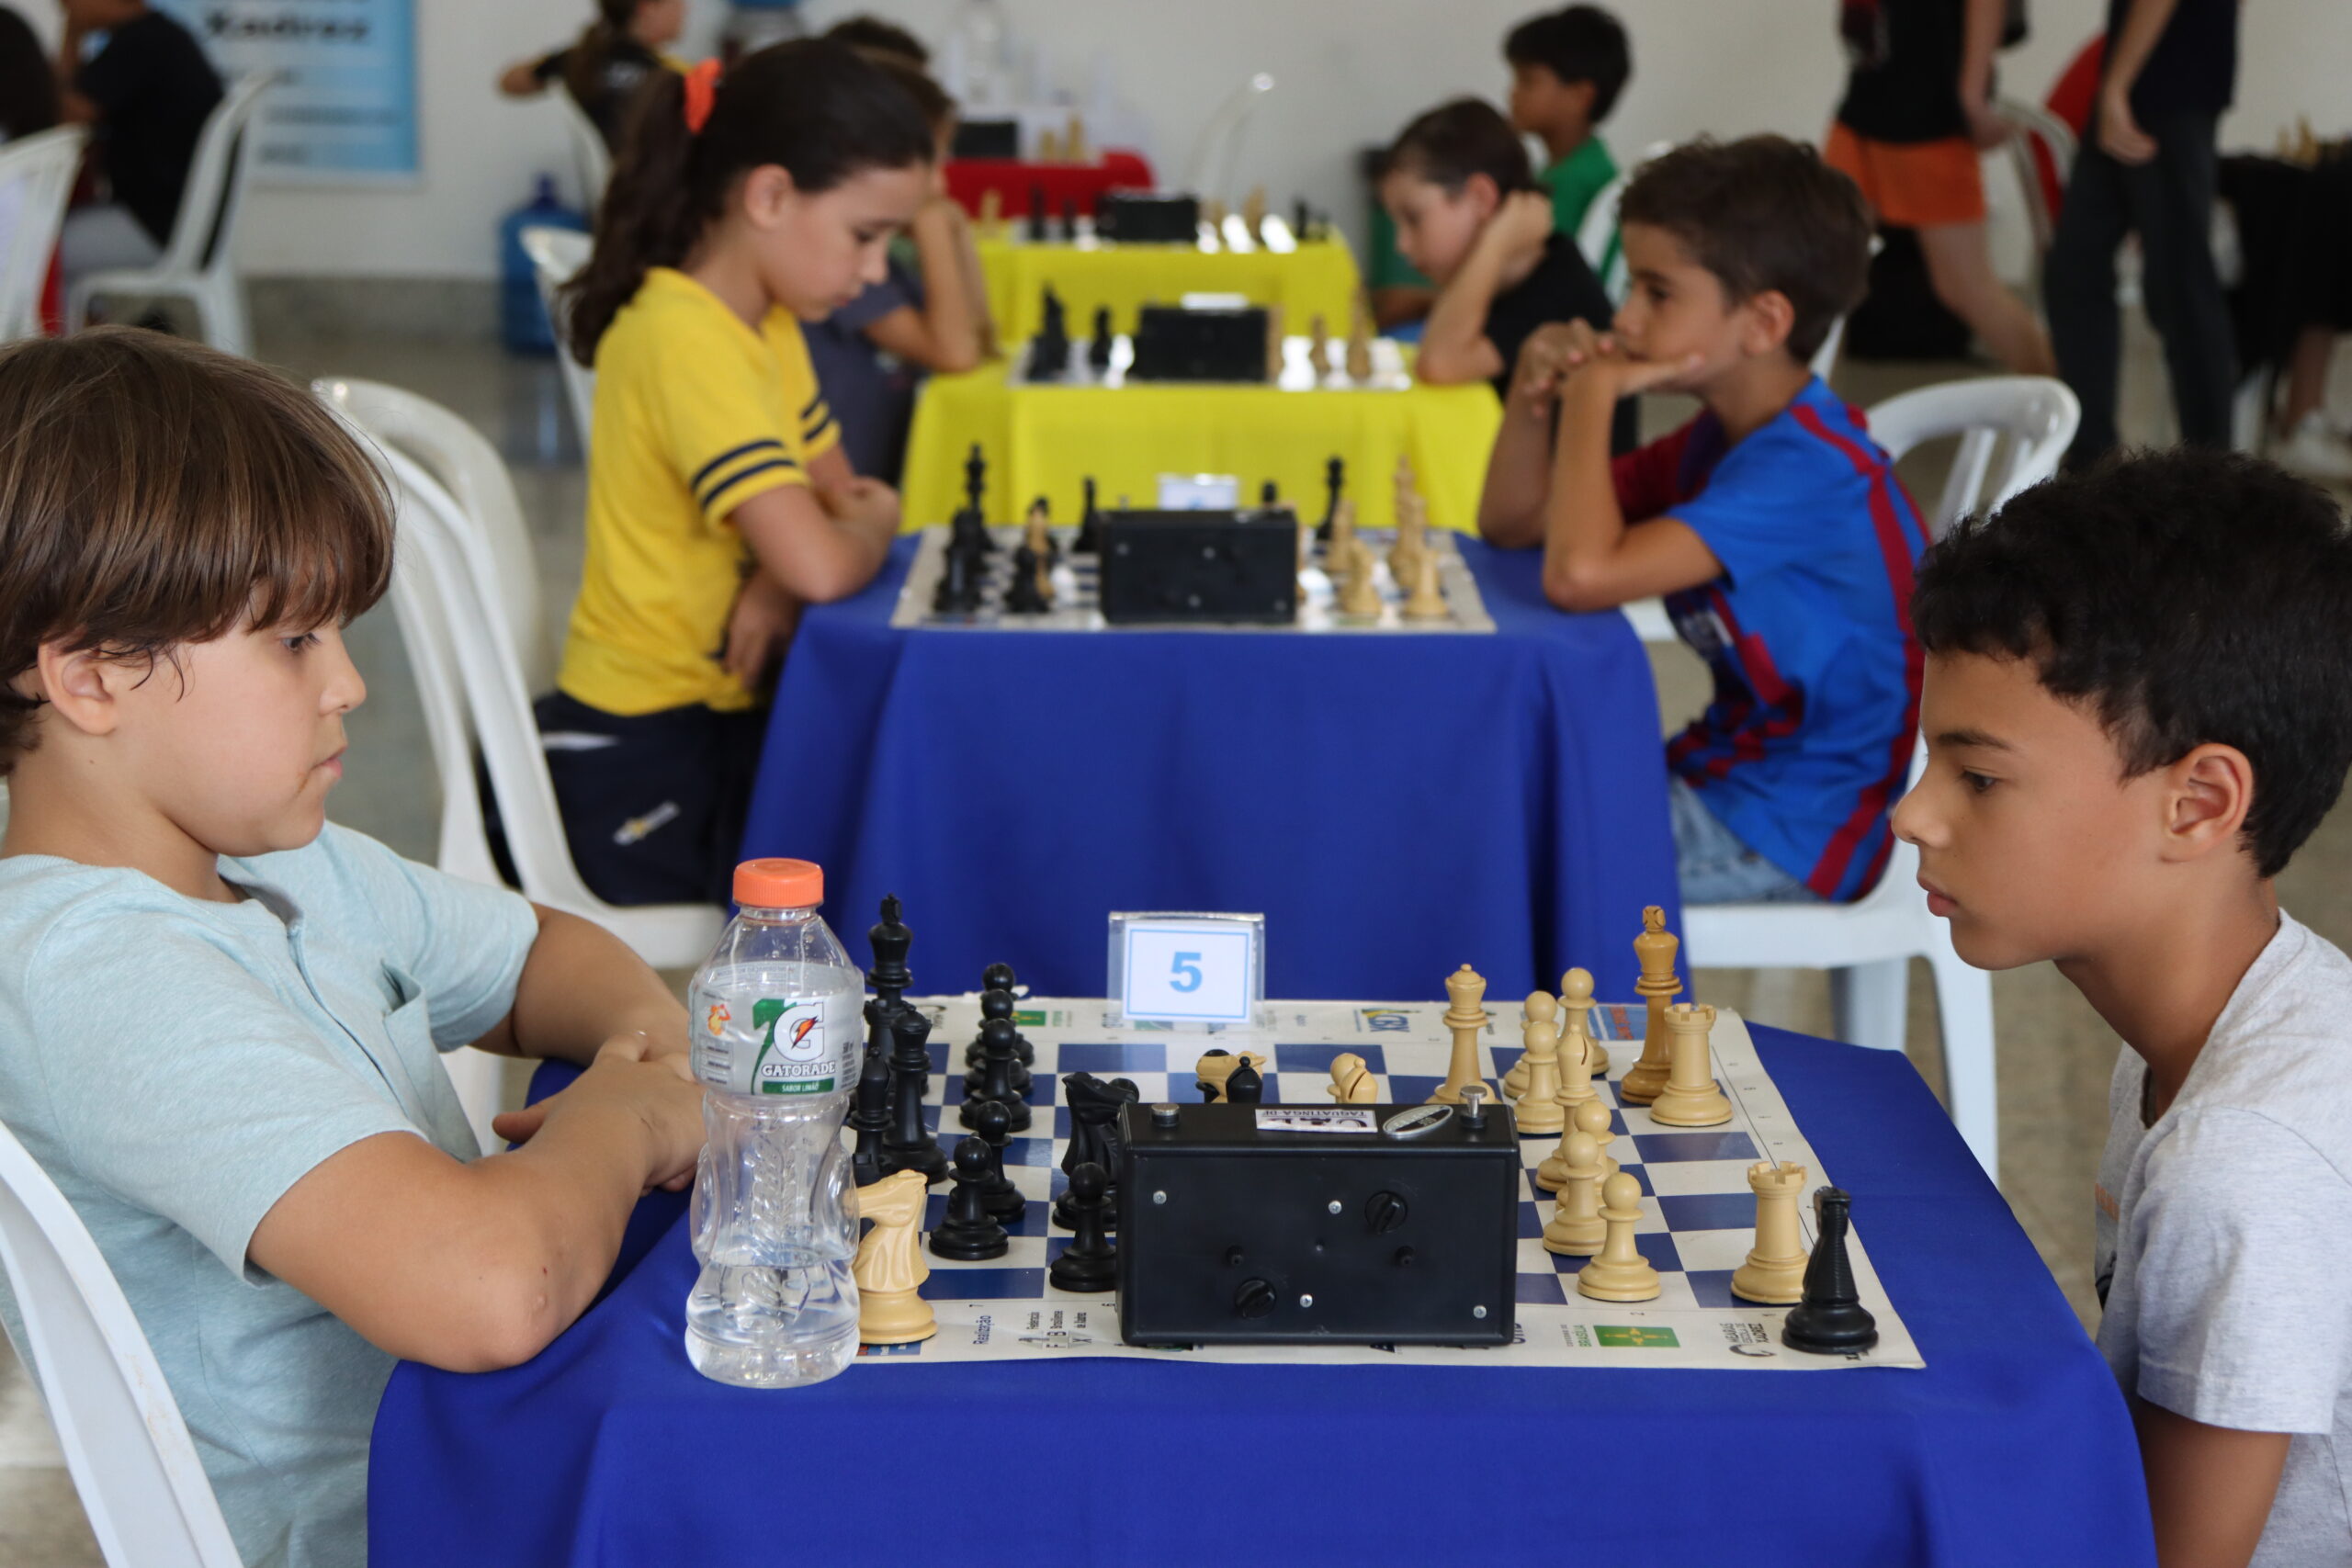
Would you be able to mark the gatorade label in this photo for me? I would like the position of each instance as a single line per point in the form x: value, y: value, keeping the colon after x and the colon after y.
x: 807, y: 1045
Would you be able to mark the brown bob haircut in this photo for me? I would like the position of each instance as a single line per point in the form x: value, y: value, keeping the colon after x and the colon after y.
x: 1763, y: 214
x: 155, y: 492
x: 1457, y: 139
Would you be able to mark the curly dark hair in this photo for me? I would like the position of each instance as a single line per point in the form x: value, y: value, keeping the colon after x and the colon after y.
x: 2186, y: 596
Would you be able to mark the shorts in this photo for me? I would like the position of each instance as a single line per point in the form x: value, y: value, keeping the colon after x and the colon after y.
x: 1713, y: 867
x: 1912, y: 185
x: 653, y: 804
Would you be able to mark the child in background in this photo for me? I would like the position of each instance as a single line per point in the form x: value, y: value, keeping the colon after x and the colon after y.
x: 933, y: 316
x: 718, y: 499
x: 146, y: 96
x: 1774, y: 526
x: 613, y: 59
x: 219, y: 1017
x: 1468, y: 213
x: 2138, y: 706
x: 1567, y: 68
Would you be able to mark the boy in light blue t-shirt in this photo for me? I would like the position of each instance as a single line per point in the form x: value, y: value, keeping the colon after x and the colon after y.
x: 220, y: 1018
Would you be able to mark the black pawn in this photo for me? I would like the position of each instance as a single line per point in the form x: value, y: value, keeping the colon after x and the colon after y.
x: 1093, y: 1137
x: 1020, y: 595
x: 1098, y: 347
x: 1089, y: 525
x: 1070, y: 220
x: 999, y: 977
x: 1831, y: 1320
x: 1269, y: 494
x: 998, y: 1004
x: 996, y: 1085
x: 869, y: 1118
x: 1335, y: 479
x: 995, y: 1035
x: 1036, y: 228
x: 910, y: 1145
x: 1244, y: 1086
x: 1090, y: 1264
x: 992, y: 1125
x: 971, y: 1233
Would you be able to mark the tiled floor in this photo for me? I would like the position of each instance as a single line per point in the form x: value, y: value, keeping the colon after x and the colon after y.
x: 2054, y: 1053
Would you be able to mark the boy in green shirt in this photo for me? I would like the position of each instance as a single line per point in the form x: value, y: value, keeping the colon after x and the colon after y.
x: 1566, y: 70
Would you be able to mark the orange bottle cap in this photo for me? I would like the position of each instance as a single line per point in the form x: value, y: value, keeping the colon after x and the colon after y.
x: 780, y: 883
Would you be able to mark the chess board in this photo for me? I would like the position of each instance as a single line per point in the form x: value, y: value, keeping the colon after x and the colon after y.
x: 1698, y: 1211
x: 1078, y: 597
x: 1299, y: 374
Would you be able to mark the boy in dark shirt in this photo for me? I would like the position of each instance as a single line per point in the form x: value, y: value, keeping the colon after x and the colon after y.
x: 148, y: 93
x: 1469, y: 213
x: 604, y: 69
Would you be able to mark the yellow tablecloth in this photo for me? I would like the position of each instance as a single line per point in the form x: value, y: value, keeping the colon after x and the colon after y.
x: 1047, y: 440
x: 1315, y: 279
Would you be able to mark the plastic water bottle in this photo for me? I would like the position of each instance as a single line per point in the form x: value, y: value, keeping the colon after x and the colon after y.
x: 776, y: 1019
x: 522, y: 318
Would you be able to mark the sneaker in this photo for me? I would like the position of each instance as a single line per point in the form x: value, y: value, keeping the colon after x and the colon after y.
x: 2314, y: 450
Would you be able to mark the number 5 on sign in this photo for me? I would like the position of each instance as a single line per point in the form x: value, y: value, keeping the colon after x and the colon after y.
x: 1188, y: 968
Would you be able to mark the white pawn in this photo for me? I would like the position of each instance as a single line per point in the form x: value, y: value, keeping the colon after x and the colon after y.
x: 1620, y: 1273
x: 1539, y: 1109
x: 1592, y: 1117
x: 1576, y: 1226
x: 1539, y: 1005
x: 1575, y: 998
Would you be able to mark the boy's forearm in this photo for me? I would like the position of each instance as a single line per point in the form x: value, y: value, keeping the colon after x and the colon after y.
x: 2143, y: 24
x: 1582, y: 521
x: 581, y: 987
x: 1457, y: 322
x: 946, y: 308
x: 1510, y: 507
x: 1980, y: 36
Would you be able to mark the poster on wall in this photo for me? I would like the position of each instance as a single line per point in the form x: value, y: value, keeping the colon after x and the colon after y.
x: 344, y: 110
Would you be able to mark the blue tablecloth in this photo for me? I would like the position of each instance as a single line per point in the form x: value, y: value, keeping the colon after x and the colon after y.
x: 2011, y: 1447
x: 1395, y: 805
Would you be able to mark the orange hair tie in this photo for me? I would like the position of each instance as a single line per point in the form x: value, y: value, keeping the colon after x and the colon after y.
x: 702, y: 92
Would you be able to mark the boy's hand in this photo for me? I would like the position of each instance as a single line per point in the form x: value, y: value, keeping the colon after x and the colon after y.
x: 762, y: 623
x: 1595, y: 367
x: 1985, y: 128
x: 1524, y: 222
x: 1545, y: 359
x: 2120, y: 135
x: 866, y: 502
x: 658, y: 1091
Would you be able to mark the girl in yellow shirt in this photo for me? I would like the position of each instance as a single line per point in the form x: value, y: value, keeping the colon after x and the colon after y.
x: 718, y: 499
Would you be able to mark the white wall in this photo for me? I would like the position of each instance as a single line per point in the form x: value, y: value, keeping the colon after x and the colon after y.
x: 1349, y: 73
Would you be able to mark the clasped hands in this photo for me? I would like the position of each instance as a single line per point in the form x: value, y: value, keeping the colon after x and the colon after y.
x: 1569, y: 363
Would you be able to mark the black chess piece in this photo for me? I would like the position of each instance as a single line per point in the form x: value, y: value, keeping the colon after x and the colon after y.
x: 1090, y: 1264
x: 1094, y: 1134
x: 971, y: 1233
x: 959, y: 583
x: 1044, y: 507
x: 1089, y: 525
x: 1209, y: 1090
x: 1000, y: 978
x: 890, y: 939
x: 1050, y: 351
x: 1036, y: 225
x: 997, y: 1082
x: 1831, y: 1320
x: 1298, y: 217
x: 1098, y: 347
x: 997, y: 1034
x: 1021, y: 595
x: 968, y: 529
x: 997, y: 1002
x: 993, y: 1126
x: 910, y: 1145
x: 869, y: 1118
x: 1070, y: 220
x: 1244, y: 1086
x: 1269, y: 494
x: 1335, y: 479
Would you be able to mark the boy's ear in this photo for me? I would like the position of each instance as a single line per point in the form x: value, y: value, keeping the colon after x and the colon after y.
x: 1483, y: 194
x: 2206, y: 797
x: 1766, y: 320
x: 1579, y: 96
x: 80, y: 686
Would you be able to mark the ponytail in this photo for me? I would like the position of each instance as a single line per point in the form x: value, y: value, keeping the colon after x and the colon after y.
x: 817, y: 109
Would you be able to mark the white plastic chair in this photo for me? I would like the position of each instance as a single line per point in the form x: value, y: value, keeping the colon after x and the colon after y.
x: 1208, y: 167
x: 447, y: 594
x: 2034, y: 124
x: 200, y: 265
x: 146, y: 1494
x: 556, y: 257
x: 36, y: 179
x: 1868, y: 945
x: 591, y: 160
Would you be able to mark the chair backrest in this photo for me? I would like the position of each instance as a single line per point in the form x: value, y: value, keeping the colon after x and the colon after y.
x: 2027, y: 420
x: 125, y: 1446
x: 466, y: 465
x: 36, y: 178
x: 202, y: 237
x: 592, y: 160
x: 1208, y: 167
x: 445, y: 595
x: 1595, y: 236
x: 556, y: 257
x: 2040, y: 153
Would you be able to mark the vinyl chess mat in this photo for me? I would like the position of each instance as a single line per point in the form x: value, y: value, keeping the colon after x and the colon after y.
x: 1078, y: 597
x: 1698, y: 1211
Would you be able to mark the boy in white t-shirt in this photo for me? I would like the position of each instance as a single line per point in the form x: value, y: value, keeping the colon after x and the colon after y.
x: 2138, y: 706
x: 220, y: 1016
